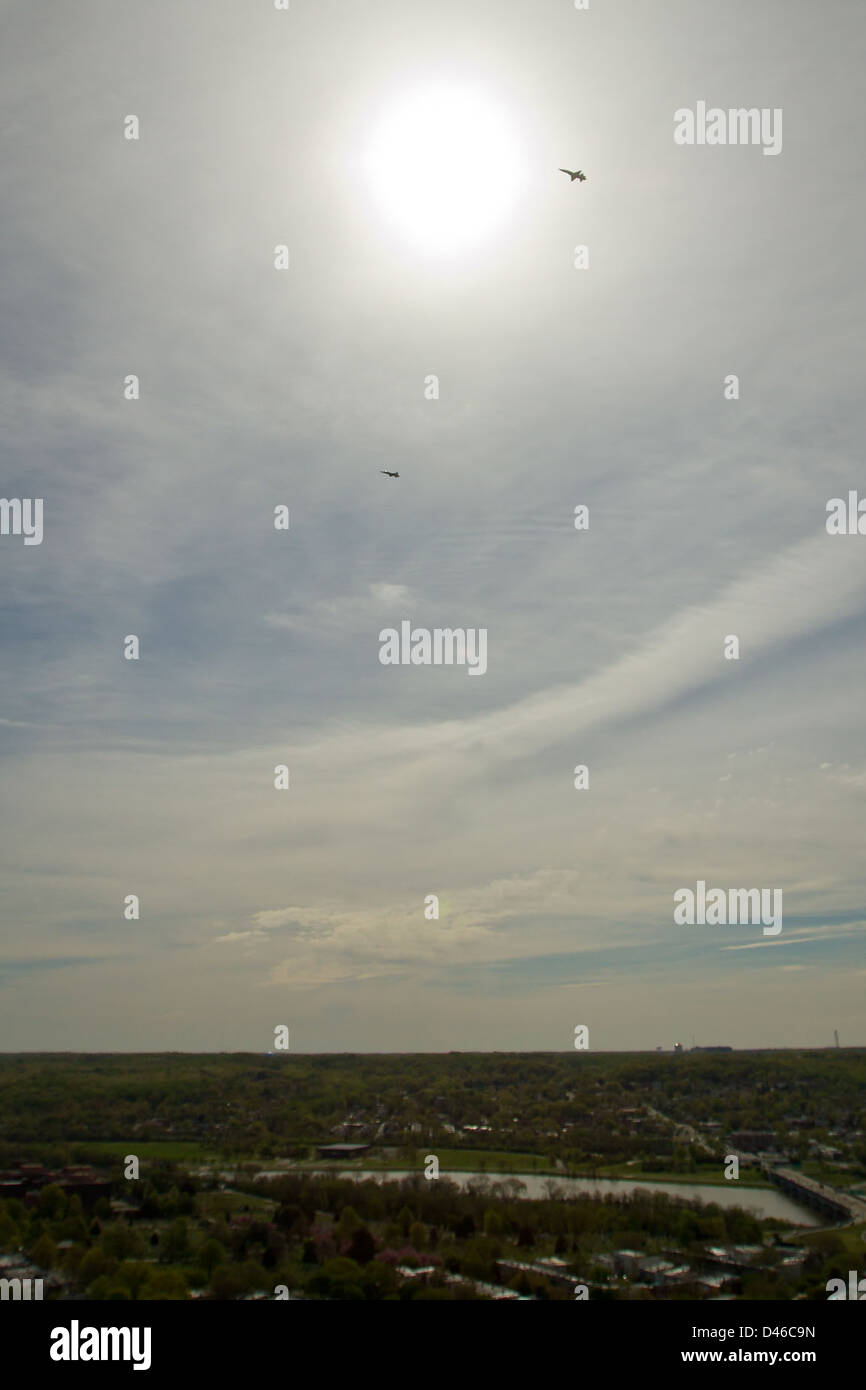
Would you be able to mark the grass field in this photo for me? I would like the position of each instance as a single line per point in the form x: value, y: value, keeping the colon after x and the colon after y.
x: 852, y: 1237
x: 172, y: 1151
x: 711, y: 1176
x: 450, y: 1160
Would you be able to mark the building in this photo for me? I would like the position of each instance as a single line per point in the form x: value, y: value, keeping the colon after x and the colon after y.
x: 506, y: 1269
x: 26, y: 1180
x: 420, y: 1276
x: 342, y: 1150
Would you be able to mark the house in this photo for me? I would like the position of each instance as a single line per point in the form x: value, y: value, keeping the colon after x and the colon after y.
x: 792, y: 1266
x: 712, y: 1284
x: 506, y: 1269
x: 493, y: 1291
x: 421, y: 1276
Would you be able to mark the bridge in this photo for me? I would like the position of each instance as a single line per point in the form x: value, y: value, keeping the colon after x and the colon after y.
x: 840, y: 1207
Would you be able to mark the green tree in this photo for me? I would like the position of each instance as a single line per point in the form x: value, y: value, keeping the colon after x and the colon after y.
x: 380, y: 1281
x: 107, y: 1290
x: 44, y: 1252
x: 52, y: 1202
x: 338, y: 1278
x: 175, y: 1244
x: 493, y: 1223
x: 171, y: 1203
x: 478, y: 1257
x: 94, y: 1264
x: 132, y: 1275
x: 73, y: 1228
x: 362, y: 1246
x: 210, y: 1255
x: 70, y: 1260
x: 121, y: 1241
x: 227, y: 1281
x: 9, y: 1235
x: 164, y: 1285
x: 348, y: 1223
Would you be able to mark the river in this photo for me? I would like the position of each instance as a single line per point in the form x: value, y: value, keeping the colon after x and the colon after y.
x: 763, y: 1201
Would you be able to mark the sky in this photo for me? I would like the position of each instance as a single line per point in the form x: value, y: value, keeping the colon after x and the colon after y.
x: 358, y: 138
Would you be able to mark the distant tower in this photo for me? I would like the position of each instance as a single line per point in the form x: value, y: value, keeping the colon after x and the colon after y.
x: 836, y: 1035
x: 678, y: 1047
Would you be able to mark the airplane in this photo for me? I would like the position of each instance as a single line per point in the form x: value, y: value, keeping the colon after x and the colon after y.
x: 387, y: 474
x: 574, y: 174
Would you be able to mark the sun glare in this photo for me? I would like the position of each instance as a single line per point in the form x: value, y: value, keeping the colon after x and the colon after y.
x: 445, y: 167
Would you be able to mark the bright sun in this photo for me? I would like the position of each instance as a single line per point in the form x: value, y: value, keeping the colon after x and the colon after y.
x: 445, y: 165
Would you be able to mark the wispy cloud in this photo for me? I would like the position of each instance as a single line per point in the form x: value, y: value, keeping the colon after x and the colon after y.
x: 348, y: 613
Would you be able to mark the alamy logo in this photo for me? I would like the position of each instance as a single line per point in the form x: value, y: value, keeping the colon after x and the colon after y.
x: 444, y: 646
x: 846, y: 520
x: 22, y: 516
x: 737, y: 907
x: 738, y: 126
x: 76, y: 1343
x: 855, y: 1291
x: 20, y: 1289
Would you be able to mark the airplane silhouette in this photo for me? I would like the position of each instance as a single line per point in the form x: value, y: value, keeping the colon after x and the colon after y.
x: 387, y: 474
x: 574, y: 174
